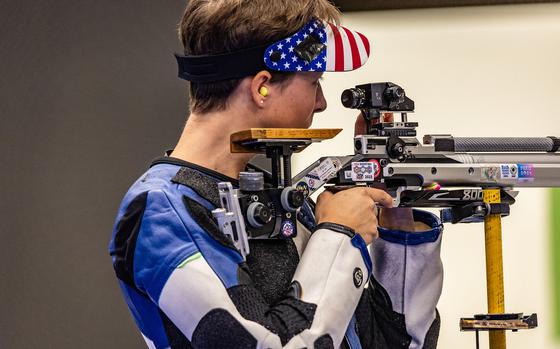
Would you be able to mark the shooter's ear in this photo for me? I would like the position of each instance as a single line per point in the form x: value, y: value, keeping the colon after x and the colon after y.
x: 261, y: 88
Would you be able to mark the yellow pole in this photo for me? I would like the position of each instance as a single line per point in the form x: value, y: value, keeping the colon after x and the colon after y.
x: 494, y: 267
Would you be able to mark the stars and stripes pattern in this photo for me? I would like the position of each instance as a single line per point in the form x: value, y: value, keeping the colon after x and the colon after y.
x: 344, y: 50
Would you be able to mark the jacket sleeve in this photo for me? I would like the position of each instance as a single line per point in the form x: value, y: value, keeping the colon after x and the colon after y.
x: 408, y: 266
x: 212, y: 311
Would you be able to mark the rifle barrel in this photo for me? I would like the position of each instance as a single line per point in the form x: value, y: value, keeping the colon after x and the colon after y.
x: 506, y: 158
x: 498, y: 144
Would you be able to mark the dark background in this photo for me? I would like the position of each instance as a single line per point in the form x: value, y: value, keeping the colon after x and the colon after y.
x: 88, y: 96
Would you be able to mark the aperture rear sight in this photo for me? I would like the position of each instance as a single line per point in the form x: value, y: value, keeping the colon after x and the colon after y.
x: 376, y: 98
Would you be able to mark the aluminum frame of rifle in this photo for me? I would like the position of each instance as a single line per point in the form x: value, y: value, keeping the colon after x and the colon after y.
x: 423, y: 165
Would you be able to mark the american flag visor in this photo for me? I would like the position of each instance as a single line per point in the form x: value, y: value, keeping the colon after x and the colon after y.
x: 319, y: 46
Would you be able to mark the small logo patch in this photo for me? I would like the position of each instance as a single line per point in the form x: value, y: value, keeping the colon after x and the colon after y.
x: 358, y: 277
x: 287, y: 228
x: 303, y: 187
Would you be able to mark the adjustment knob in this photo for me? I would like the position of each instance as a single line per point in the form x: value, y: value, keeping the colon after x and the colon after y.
x: 396, y: 148
x: 258, y: 214
x: 292, y: 199
x: 296, y: 198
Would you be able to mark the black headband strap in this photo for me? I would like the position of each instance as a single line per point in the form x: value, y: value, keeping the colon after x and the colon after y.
x: 231, y: 65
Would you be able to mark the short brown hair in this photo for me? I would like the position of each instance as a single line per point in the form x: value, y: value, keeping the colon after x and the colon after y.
x: 218, y: 26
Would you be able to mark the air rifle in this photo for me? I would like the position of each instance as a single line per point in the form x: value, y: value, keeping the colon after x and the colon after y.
x: 442, y: 171
x: 472, y: 179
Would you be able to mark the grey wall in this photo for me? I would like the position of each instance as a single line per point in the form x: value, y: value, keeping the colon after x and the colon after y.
x: 88, y: 96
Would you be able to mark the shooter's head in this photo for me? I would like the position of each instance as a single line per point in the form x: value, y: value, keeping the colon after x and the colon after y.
x: 226, y: 41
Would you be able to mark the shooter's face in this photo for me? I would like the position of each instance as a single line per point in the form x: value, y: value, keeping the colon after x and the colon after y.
x: 294, y: 105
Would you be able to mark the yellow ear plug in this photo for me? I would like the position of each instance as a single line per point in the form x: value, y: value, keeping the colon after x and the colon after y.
x: 263, y: 91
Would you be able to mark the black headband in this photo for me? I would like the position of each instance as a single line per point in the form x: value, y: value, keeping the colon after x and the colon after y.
x: 317, y: 47
x: 231, y: 65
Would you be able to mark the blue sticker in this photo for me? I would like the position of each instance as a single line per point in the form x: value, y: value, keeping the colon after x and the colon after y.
x: 526, y: 170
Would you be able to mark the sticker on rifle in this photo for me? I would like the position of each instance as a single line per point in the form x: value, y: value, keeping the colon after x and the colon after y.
x: 376, y: 166
x: 303, y: 187
x: 509, y: 171
x: 326, y: 170
x: 526, y: 170
x: 490, y: 173
x: 365, y: 171
x: 311, y: 183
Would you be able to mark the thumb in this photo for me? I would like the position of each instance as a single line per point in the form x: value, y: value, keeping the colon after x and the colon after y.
x: 380, y: 197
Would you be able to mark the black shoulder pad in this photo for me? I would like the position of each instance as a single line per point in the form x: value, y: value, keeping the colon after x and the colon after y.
x: 125, y: 239
x: 203, y: 185
x: 204, y: 217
